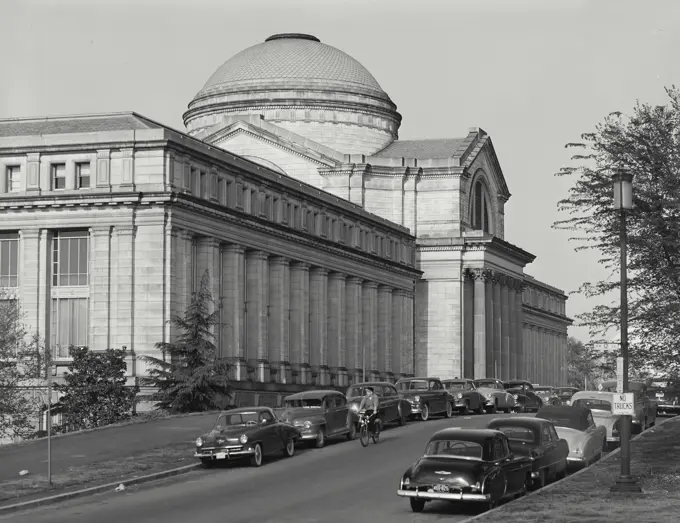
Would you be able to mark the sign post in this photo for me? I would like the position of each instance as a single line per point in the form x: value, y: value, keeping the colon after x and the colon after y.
x: 619, y: 375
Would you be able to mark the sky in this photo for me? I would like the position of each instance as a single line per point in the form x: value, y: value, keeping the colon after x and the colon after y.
x: 534, y: 74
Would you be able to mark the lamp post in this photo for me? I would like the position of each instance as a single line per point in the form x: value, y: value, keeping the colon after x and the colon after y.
x: 623, y: 201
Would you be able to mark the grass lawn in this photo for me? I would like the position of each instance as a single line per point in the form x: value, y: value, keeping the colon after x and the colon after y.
x: 586, y: 497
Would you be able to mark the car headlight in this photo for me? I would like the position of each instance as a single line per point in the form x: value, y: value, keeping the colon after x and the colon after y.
x: 354, y: 407
x: 243, y: 439
x: 488, y: 395
x: 416, y: 399
x: 568, y: 402
x: 199, y: 442
x: 459, y: 396
x: 515, y: 396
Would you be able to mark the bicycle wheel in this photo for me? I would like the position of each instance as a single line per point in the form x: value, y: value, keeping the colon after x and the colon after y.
x: 376, y: 433
x: 363, y: 435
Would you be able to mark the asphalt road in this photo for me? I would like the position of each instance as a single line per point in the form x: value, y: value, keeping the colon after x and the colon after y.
x: 340, y: 483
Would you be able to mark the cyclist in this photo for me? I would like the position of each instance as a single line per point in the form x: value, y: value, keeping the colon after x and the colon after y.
x: 371, y: 403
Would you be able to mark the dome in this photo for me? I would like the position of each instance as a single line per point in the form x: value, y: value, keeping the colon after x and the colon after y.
x: 298, y: 82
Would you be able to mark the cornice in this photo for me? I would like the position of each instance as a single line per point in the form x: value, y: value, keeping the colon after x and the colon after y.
x: 511, y: 281
x: 547, y: 315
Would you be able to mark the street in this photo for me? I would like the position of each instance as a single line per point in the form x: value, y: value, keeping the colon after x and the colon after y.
x: 339, y: 483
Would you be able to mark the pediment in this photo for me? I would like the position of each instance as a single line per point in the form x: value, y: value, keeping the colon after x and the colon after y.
x: 483, y: 156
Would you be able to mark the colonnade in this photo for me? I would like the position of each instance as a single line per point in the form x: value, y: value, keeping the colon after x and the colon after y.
x: 289, y: 321
x: 546, y: 355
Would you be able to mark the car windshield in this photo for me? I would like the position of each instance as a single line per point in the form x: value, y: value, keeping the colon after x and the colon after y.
x: 517, y: 433
x: 357, y: 391
x: 451, y: 448
x: 593, y: 404
x: 412, y: 385
x: 239, y: 418
x: 309, y: 403
x: 543, y: 391
x: 566, y: 392
x: 489, y: 384
x: 454, y: 385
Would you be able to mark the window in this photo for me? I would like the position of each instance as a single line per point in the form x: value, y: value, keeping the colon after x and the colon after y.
x: 69, y: 324
x: 545, y: 435
x: 59, y: 176
x: 454, y: 449
x: 83, y: 175
x: 70, y: 256
x: 481, y: 208
x: 9, y: 260
x: 13, y: 178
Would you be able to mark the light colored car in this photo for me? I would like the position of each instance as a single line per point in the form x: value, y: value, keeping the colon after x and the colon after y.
x: 497, y: 398
x: 645, y: 408
x: 600, y: 405
x: 576, y: 425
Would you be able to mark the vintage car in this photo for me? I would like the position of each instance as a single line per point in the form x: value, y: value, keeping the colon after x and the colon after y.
x: 495, y: 395
x: 523, y: 393
x: 600, y: 405
x: 565, y: 394
x: 426, y: 396
x: 319, y: 415
x: 538, y: 439
x: 465, y: 395
x: 459, y: 464
x: 547, y: 394
x: 393, y: 407
x: 576, y: 425
x: 645, y: 409
x: 249, y: 432
x: 667, y: 400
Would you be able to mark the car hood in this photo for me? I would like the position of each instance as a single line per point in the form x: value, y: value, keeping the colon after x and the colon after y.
x: 301, y: 413
x: 574, y: 437
x: 448, y: 471
x: 230, y: 435
x: 488, y: 390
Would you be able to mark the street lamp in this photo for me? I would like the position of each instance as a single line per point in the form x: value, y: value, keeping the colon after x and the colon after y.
x: 623, y: 201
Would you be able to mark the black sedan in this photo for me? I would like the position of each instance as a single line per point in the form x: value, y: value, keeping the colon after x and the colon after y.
x: 537, y: 439
x: 525, y: 397
x: 474, y: 465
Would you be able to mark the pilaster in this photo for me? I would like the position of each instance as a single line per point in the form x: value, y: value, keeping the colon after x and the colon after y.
x: 30, y: 258
x: 100, y: 289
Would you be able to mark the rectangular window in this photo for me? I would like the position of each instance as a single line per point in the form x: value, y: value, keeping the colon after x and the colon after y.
x: 70, y: 257
x: 70, y: 318
x: 13, y: 175
x: 9, y: 259
x: 59, y: 176
x: 83, y: 175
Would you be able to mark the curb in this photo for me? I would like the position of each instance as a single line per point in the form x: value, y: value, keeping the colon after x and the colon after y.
x: 95, y: 490
x: 555, y: 483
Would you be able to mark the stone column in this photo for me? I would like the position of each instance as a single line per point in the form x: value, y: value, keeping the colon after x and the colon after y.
x: 490, y: 326
x: 337, y: 360
x: 521, y: 369
x: 512, y: 325
x: 384, y: 332
x: 353, y: 326
x: 369, y: 329
x: 467, y: 350
x: 257, y: 306
x: 99, y: 289
x: 233, y: 335
x: 479, y: 361
x: 299, y: 323
x: 30, y: 258
x: 409, y: 318
x: 208, y: 259
x: 279, y: 319
x: 497, y: 326
x: 318, y: 334
x: 397, y: 335
x: 505, y: 330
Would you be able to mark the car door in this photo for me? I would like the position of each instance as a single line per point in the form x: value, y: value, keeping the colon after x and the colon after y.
x: 499, y: 483
x: 511, y: 466
x: 270, y: 436
x: 439, y: 395
x: 391, y: 399
x: 549, y: 447
x: 340, y: 413
x: 330, y: 414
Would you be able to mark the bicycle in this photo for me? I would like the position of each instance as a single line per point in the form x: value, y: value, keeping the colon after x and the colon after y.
x: 363, y: 430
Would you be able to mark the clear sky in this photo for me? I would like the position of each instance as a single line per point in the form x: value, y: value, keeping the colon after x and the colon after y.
x: 534, y: 74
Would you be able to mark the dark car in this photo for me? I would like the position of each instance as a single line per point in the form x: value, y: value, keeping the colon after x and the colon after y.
x: 426, y: 396
x: 547, y: 395
x: 565, y: 394
x: 249, y: 432
x: 475, y: 465
x: 523, y: 393
x: 465, y: 395
x: 393, y: 407
x: 667, y: 400
x: 537, y: 439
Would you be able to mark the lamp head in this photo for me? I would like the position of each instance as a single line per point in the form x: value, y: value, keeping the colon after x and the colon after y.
x: 623, y: 189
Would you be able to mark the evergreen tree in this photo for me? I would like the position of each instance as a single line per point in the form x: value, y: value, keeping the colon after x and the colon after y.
x: 190, y: 377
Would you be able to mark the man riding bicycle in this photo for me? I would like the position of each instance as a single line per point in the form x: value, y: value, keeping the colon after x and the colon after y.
x: 370, y: 404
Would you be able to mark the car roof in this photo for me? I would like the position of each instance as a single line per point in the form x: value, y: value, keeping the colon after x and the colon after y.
x: 246, y: 409
x: 422, y: 378
x: 313, y: 394
x: 592, y: 394
x: 456, y: 380
x: 519, y: 421
x: 371, y: 384
x: 519, y: 381
x: 465, y: 434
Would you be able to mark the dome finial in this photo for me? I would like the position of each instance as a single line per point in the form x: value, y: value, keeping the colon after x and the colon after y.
x: 292, y: 36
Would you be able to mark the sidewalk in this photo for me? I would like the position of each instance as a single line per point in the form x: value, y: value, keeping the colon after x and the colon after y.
x: 585, y: 497
x: 99, y: 456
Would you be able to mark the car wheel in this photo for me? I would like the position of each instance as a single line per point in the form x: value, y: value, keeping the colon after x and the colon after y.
x: 449, y: 410
x: 562, y: 473
x: 465, y: 411
x: 320, y: 438
x: 207, y: 463
x: 256, y: 458
x: 494, y: 408
x: 425, y: 413
x: 417, y: 505
x: 542, y: 479
x: 352, y: 434
x: 289, y: 450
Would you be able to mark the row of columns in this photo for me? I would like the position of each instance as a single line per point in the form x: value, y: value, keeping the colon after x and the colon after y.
x: 546, y: 351
x: 287, y: 321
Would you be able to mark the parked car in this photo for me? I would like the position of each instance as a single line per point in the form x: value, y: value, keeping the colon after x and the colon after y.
x: 426, y: 396
x: 536, y: 438
x: 465, y: 396
x: 319, y: 415
x: 645, y: 408
x: 394, y: 408
x: 600, y: 404
x: 565, y: 394
x: 667, y: 400
x: 576, y: 425
x: 474, y: 465
x: 497, y: 398
x: 523, y: 393
x: 250, y: 432
x: 548, y: 395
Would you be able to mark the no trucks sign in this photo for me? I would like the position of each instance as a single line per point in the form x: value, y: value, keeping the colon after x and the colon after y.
x: 624, y: 404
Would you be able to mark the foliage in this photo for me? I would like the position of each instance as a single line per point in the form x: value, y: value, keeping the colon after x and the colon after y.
x: 20, y: 366
x: 190, y: 377
x: 646, y: 144
x: 94, y: 392
x: 588, y: 366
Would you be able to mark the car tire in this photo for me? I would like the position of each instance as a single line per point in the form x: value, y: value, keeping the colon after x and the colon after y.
x: 449, y: 410
x: 320, y: 438
x: 417, y: 505
x: 493, y: 409
x: 256, y: 458
x: 561, y: 474
x: 289, y: 449
x: 207, y: 463
x: 352, y: 434
x: 425, y: 413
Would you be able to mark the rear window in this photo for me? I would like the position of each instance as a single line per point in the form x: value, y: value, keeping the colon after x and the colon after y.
x: 454, y: 449
x: 593, y: 404
x: 517, y: 433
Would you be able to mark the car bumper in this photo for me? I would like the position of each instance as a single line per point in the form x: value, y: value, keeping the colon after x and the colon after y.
x: 224, y: 453
x: 415, y: 409
x: 613, y: 439
x: 576, y: 460
x: 448, y: 496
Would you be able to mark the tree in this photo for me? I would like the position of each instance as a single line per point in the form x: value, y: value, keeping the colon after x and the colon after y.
x: 190, y: 377
x: 647, y: 144
x: 94, y: 392
x: 586, y: 365
x: 20, y: 365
